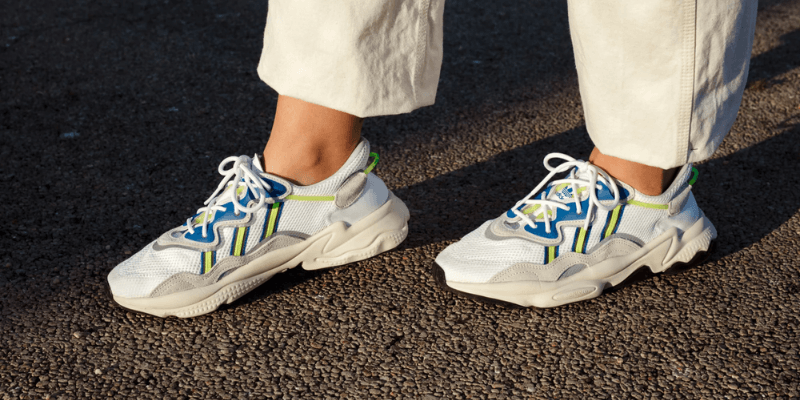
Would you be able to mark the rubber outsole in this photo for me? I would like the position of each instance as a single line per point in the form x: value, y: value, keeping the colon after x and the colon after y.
x: 110, y: 297
x: 640, y: 274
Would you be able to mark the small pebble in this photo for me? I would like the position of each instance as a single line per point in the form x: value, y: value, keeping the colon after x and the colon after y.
x: 70, y: 135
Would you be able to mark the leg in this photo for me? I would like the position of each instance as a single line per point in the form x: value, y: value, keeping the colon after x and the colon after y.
x: 308, y: 142
x: 314, y: 200
x: 661, y: 83
x: 331, y: 65
x: 648, y: 180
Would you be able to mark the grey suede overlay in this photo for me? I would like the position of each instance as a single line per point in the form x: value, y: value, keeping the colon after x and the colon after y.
x: 187, y: 280
x: 676, y: 205
x: 500, y: 230
x: 351, y: 190
x: 572, y: 271
x: 611, y: 247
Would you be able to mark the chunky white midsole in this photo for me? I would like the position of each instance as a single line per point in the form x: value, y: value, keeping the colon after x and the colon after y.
x: 671, y: 247
x: 337, y: 244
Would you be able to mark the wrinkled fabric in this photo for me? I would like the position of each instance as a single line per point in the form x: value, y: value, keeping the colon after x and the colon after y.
x: 661, y: 81
x: 366, y: 58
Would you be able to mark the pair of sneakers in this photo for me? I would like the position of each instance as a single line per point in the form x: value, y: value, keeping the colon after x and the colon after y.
x: 567, y: 241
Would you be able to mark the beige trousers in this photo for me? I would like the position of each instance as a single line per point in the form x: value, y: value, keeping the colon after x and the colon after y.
x: 661, y: 80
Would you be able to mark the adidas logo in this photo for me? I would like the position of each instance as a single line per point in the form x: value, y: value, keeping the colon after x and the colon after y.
x: 565, y: 193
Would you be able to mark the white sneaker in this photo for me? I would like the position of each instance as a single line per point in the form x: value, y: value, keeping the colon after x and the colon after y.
x: 255, y: 225
x: 581, y: 235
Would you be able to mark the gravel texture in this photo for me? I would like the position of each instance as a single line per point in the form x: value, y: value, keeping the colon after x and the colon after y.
x: 115, y: 114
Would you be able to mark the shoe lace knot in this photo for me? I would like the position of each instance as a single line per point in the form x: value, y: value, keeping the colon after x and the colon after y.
x: 241, y: 177
x: 585, y: 177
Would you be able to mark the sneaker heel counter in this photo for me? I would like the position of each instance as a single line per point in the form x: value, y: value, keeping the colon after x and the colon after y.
x: 373, y: 196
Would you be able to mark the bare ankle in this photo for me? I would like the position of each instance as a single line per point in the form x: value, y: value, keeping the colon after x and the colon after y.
x: 308, y: 142
x: 651, y: 181
x: 301, y: 165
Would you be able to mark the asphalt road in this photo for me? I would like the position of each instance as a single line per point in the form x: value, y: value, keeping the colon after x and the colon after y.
x: 115, y: 114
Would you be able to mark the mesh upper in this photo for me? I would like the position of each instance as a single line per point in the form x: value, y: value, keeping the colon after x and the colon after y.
x: 356, y: 162
x: 140, y: 274
x: 597, y: 229
x: 569, y: 237
x: 256, y: 229
x: 226, y: 244
x: 305, y: 216
x: 476, y: 258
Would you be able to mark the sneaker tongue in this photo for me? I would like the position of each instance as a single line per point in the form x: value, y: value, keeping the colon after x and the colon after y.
x: 603, y: 191
x: 241, y: 192
x: 564, y: 192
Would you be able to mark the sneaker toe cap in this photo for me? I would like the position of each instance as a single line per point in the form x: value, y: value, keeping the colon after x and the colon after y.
x: 139, y: 275
x: 477, y: 258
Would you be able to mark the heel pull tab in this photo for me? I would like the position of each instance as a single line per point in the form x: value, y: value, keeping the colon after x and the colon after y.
x: 695, y: 173
x: 372, y: 165
x: 677, y: 203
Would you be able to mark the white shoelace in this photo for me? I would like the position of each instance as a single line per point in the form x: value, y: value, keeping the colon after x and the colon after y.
x: 241, y: 174
x: 546, y: 205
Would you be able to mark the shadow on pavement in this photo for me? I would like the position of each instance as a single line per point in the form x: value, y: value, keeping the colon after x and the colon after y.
x: 783, y: 58
x: 748, y: 194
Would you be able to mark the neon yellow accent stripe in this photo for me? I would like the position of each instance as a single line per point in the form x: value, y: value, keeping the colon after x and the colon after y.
x: 373, y: 164
x: 580, y: 239
x: 239, y: 240
x: 613, y: 222
x: 695, y: 174
x: 563, y: 185
x: 528, y: 210
x: 531, y: 209
x: 551, y: 254
x: 310, y: 198
x: 648, y: 205
x: 207, y: 258
x: 273, y: 216
x: 541, y: 215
